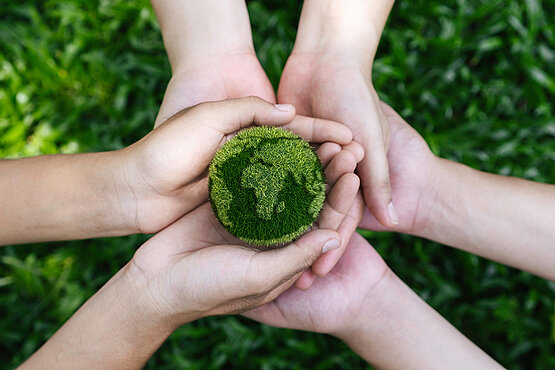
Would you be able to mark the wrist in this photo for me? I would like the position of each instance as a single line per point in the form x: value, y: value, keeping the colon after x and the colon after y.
x: 397, y: 329
x: 198, y: 29
x: 111, y: 330
x: 441, y: 207
x: 117, y: 193
x: 375, y: 311
x: 352, y: 28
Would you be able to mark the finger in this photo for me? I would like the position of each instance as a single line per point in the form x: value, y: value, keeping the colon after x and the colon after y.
x: 356, y: 149
x: 193, y: 195
x: 339, y: 201
x: 376, y: 186
x: 274, y: 267
x: 317, y: 130
x: 327, y: 261
x: 305, y: 281
x: 342, y: 163
x: 326, y: 152
x: 228, y: 116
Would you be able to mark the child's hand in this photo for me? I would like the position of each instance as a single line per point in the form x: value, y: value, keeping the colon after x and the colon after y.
x: 194, y: 268
x: 191, y: 269
x: 166, y: 169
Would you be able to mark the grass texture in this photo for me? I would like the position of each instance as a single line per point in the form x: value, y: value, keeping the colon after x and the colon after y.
x: 474, y: 77
x: 267, y: 186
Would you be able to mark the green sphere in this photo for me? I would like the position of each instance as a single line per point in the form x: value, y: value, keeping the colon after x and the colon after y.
x: 266, y: 186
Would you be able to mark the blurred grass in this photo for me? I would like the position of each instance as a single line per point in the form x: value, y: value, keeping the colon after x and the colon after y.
x: 476, y: 78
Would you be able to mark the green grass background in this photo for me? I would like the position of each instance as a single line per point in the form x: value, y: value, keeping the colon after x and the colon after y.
x: 475, y: 78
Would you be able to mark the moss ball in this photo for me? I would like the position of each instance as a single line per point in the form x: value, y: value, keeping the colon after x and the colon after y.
x: 266, y: 185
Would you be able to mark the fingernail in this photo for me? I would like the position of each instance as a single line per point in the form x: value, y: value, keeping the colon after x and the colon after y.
x: 284, y: 107
x: 392, y: 214
x: 331, y: 245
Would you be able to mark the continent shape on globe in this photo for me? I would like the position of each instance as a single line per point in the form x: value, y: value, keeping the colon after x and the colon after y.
x: 266, y: 185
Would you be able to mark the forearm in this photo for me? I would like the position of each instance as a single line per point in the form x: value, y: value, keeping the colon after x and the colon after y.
x: 398, y: 330
x: 354, y: 26
x: 203, y: 27
x: 502, y: 218
x: 112, y: 330
x: 62, y: 197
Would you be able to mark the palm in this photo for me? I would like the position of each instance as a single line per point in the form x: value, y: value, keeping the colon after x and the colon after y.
x: 216, y: 77
x: 411, y: 167
x: 338, y: 88
x: 333, y: 302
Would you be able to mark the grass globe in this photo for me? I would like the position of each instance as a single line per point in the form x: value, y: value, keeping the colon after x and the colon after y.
x: 267, y: 186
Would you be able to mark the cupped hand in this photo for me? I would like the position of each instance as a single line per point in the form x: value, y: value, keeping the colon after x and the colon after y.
x: 194, y: 268
x: 336, y: 86
x: 333, y: 304
x: 165, y: 170
x: 414, y: 176
x: 217, y: 76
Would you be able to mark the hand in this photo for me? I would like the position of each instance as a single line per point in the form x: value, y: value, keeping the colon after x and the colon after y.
x: 329, y: 75
x: 363, y: 303
x: 330, y: 85
x: 467, y: 209
x: 194, y: 268
x: 209, y: 44
x: 333, y: 304
x: 414, y: 172
x: 189, y: 270
x: 217, y: 76
x: 165, y: 171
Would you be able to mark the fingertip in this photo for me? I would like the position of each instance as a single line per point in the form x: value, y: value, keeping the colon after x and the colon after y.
x: 305, y: 281
x: 356, y: 149
x: 285, y: 107
x: 327, y: 151
x: 382, y: 209
x: 326, y: 263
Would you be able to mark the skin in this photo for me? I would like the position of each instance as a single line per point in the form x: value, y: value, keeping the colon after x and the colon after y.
x: 142, y: 188
x: 189, y: 270
x: 329, y: 75
x: 362, y: 302
x: 468, y: 209
x: 209, y: 44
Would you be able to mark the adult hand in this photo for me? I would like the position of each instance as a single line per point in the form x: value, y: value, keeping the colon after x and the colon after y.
x: 329, y: 75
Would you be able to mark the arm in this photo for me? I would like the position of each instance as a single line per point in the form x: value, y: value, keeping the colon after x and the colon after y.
x: 140, y: 188
x: 209, y: 44
x: 62, y: 197
x: 362, y: 302
x: 200, y: 27
x: 191, y: 269
x: 115, y: 328
x: 506, y: 219
x: 503, y: 218
x: 354, y: 26
x: 328, y: 75
x: 398, y: 330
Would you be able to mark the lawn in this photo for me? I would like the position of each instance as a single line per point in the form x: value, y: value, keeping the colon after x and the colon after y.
x: 475, y: 78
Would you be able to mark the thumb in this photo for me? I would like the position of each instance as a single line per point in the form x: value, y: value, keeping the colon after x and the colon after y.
x: 280, y: 265
x: 229, y: 116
